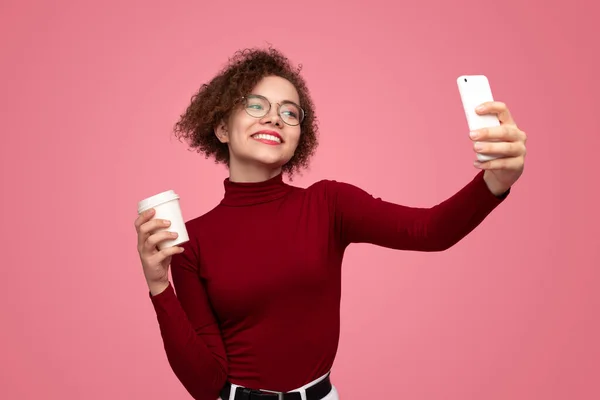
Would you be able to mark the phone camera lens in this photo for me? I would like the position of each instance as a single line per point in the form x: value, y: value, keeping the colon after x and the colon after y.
x: 465, y: 79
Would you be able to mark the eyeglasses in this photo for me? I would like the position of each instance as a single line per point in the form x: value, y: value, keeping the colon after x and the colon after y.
x: 258, y: 106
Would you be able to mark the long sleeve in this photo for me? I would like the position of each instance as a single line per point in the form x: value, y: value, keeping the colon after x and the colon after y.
x: 361, y: 218
x: 190, y: 333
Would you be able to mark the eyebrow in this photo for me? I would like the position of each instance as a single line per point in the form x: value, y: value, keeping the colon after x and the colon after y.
x: 282, y: 101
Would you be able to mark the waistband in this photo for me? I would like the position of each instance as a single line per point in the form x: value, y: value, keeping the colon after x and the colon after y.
x: 314, y: 390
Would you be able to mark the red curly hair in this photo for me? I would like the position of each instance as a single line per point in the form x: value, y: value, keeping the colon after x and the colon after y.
x: 214, y: 102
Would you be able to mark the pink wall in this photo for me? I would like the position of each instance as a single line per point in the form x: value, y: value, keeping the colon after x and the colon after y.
x: 90, y: 91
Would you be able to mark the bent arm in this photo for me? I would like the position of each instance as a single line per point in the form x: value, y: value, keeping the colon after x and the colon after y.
x: 190, y: 333
x: 361, y: 218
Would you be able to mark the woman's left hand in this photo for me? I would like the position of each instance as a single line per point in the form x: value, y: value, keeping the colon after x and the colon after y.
x: 507, y: 142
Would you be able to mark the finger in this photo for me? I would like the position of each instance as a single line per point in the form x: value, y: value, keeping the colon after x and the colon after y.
x: 498, y: 108
x: 508, y: 163
x: 155, y: 239
x: 502, y: 149
x: 502, y: 133
x: 143, y: 218
x: 164, y: 253
x: 148, y: 227
x: 153, y: 225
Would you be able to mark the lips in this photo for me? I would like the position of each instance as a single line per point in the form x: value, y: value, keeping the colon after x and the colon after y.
x: 268, y: 137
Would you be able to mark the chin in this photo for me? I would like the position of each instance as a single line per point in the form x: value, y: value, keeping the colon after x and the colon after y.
x: 271, y: 160
x: 273, y: 164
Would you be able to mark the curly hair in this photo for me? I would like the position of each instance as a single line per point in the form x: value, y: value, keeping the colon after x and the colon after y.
x: 215, y: 101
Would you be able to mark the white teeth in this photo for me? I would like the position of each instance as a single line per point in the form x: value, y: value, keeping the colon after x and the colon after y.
x: 267, y: 137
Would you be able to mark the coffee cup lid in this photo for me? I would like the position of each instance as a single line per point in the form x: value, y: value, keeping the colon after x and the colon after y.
x: 156, y: 200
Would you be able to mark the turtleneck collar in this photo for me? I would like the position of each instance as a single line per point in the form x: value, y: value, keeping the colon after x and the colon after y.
x: 248, y: 193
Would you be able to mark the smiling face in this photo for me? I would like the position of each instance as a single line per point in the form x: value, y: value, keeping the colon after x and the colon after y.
x: 260, y: 144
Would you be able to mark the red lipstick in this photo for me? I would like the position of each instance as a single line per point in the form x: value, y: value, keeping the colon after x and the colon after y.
x: 266, y: 140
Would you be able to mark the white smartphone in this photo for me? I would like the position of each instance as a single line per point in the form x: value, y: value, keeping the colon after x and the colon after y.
x: 474, y: 90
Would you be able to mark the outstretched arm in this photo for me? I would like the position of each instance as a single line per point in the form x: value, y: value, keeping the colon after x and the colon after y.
x: 362, y: 218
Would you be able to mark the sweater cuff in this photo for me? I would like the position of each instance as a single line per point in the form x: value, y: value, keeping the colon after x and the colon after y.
x: 504, y: 195
x: 164, y: 298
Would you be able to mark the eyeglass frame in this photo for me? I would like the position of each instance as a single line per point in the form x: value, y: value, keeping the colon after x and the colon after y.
x: 244, y: 98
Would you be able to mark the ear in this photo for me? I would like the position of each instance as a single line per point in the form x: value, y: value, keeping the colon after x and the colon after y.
x: 222, y: 132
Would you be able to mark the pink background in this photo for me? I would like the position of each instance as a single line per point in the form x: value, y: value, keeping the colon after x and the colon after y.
x: 90, y: 91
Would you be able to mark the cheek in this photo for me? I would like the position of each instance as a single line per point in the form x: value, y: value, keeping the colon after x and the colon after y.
x: 240, y: 124
x: 294, y: 138
x: 239, y: 131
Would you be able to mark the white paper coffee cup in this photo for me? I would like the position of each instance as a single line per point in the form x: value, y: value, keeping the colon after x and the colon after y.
x: 166, y: 206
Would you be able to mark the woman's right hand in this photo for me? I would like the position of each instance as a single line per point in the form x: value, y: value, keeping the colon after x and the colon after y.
x: 155, y: 262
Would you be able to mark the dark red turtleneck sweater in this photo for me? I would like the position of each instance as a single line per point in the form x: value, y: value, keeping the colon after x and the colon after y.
x: 258, y: 285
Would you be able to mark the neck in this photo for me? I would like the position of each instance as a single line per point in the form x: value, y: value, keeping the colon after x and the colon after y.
x: 250, y: 172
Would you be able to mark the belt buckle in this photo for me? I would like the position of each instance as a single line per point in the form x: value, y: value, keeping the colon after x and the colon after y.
x: 279, y: 394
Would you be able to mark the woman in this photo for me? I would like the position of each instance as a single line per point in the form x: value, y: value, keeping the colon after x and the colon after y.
x: 258, y: 284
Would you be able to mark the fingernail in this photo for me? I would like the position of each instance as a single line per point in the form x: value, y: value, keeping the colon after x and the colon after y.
x: 167, y: 222
x: 478, y: 146
x: 477, y: 164
x: 473, y: 135
x: 480, y: 108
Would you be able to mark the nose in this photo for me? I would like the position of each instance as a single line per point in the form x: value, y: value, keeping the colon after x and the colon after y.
x: 273, y: 118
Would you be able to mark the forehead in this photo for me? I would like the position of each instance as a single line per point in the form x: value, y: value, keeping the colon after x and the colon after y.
x: 277, y: 89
